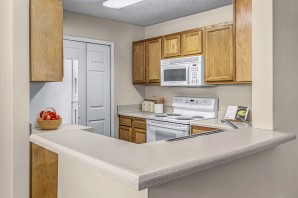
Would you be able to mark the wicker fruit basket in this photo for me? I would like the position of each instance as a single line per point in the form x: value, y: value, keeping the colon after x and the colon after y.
x: 49, y: 124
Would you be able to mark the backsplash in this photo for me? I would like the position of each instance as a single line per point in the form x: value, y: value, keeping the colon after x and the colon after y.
x: 229, y: 95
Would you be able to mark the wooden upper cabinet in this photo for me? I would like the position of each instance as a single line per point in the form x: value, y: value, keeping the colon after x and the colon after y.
x: 46, y: 40
x: 192, y: 43
x: 139, y: 69
x: 243, y: 33
x: 153, y: 57
x: 219, y: 54
x: 172, y: 46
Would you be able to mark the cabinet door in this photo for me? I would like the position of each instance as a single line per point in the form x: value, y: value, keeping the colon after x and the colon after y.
x: 219, y: 54
x: 243, y: 30
x: 44, y: 172
x: 125, y: 133
x: 153, y: 57
x: 139, y: 72
x: 140, y: 136
x: 171, y: 46
x: 199, y: 129
x: 46, y: 37
x: 192, y: 43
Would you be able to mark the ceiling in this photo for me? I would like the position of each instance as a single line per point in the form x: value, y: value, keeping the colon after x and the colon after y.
x: 145, y: 13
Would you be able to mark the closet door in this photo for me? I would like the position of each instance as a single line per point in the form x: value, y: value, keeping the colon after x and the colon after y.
x: 99, y: 88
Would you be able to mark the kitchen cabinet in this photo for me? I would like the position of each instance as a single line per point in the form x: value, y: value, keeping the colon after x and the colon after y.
x: 199, y: 129
x: 146, y: 61
x: 219, y: 54
x: 243, y: 39
x: 139, y: 67
x: 44, y: 172
x: 132, y: 129
x: 140, y: 136
x: 125, y: 133
x: 46, y: 40
x: 192, y: 43
x: 171, y: 46
x: 153, y: 57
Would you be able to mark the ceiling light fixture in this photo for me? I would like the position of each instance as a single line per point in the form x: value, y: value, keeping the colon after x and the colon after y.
x: 117, y: 4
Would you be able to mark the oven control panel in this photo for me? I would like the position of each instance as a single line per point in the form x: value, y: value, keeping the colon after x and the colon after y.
x: 168, y: 125
x: 196, y: 103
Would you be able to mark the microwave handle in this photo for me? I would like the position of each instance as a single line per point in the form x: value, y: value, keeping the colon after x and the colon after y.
x: 187, y: 74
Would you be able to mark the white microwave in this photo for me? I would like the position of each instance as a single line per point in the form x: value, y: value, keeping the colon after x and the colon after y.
x: 187, y: 72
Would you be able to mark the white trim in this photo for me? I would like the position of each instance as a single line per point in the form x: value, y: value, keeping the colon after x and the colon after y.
x: 111, y: 44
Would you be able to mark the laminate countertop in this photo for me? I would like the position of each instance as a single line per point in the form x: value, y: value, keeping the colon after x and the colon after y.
x: 148, y: 165
x: 214, y: 123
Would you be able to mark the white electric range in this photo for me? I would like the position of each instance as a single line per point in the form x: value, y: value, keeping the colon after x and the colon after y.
x: 177, y: 124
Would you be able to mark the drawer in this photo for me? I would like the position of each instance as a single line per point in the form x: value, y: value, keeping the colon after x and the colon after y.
x: 125, y: 121
x: 200, y: 129
x: 140, y: 124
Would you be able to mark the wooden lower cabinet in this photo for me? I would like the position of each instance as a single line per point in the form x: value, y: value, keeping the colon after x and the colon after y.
x: 199, y: 129
x: 135, y: 132
x: 140, y: 135
x: 44, y: 173
x: 125, y: 133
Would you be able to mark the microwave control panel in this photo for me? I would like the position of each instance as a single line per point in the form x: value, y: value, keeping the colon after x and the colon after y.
x: 195, y: 73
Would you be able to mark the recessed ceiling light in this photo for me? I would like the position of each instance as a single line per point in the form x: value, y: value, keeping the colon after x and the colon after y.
x: 117, y: 4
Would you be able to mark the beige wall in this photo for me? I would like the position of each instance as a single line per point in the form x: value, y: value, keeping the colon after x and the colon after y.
x: 76, y: 180
x: 14, y: 100
x: 262, y: 43
x: 271, y: 173
x: 228, y: 95
x: 21, y: 98
x: 122, y: 35
x: 6, y: 100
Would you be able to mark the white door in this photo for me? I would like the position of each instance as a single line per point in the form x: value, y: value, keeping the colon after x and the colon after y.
x: 99, y: 88
x: 75, y: 56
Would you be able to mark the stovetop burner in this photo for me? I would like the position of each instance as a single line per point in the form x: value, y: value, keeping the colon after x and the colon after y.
x: 174, y: 114
x: 197, y: 117
x: 184, y: 118
x: 161, y: 116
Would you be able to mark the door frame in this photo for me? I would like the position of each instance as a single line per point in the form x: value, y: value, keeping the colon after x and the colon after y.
x: 111, y: 44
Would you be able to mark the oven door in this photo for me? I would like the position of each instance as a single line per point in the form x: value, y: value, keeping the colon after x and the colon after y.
x: 175, y: 75
x: 155, y: 133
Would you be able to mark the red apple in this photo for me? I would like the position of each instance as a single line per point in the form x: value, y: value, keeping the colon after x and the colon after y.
x: 47, y: 117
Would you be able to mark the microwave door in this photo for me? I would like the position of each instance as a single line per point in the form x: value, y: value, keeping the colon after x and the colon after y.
x: 175, y: 75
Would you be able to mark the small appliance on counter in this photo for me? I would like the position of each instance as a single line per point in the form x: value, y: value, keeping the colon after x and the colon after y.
x: 155, y: 105
x: 177, y: 124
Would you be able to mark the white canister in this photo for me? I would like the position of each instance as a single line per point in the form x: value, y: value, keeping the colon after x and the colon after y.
x: 144, y: 106
x: 158, y: 108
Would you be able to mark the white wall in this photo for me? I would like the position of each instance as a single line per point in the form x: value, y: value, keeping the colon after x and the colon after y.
x: 122, y: 35
x: 228, y: 94
x: 14, y: 100
x: 57, y: 95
